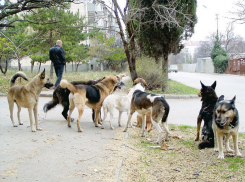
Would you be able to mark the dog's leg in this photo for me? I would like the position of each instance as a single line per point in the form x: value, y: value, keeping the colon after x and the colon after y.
x: 235, y: 141
x: 119, y: 119
x: 220, y: 143
x: 165, y: 126
x: 97, y: 115
x: 105, y: 115
x: 31, y: 119
x: 143, y: 125
x: 71, y: 108
x: 159, y: 130
x: 129, y: 120
x: 227, y: 146
x: 36, y: 118
x: 11, y: 109
x: 216, y: 144
x: 80, y: 110
x: 199, y: 122
x: 111, y: 117
x: 18, y: 114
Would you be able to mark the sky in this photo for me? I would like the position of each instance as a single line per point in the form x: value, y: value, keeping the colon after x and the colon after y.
x: 206, y: 14
x: 207, y: 22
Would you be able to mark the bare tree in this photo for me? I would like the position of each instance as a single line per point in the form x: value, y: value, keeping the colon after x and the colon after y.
x: 164, y: 15
x: 12, y: 8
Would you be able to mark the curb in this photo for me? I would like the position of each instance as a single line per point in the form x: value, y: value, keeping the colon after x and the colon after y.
x: 166, y: 96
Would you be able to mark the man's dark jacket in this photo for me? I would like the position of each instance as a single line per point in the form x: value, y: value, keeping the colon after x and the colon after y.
x: 57, y: 55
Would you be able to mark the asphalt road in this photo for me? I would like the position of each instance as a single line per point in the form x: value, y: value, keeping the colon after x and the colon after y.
x: 59, y: 153
x: 227, y: 85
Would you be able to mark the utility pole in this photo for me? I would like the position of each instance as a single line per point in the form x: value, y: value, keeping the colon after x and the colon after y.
x: 217, y: 17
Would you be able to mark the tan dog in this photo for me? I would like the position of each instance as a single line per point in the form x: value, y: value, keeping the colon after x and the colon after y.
x: 90, y: 95
x: 148, y: 121
x: 27, y: 96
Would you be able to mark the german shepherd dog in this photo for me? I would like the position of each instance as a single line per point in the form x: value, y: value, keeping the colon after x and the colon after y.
x: 27, y: 96
x: 61, y: 96
x: 209, y: 99
x: 90, y: 95
x: 143, y: 102
x: 225, y: 123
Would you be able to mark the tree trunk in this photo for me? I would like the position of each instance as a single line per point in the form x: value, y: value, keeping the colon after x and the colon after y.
x: 6, y: 67
x: 165, y: 86
x: 32, y: 66
x: 51, y: 65
x: 130, y: 54
x: 39, y: 67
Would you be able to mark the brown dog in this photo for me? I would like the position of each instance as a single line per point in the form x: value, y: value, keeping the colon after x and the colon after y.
x: 90, y: 95
x: 27, y: 96
x: 148, y: 121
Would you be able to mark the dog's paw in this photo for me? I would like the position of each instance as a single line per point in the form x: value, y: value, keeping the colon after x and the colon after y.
x: 216, y: 149
x: 125, y: 130
x: 112, y: 128
x: 39, y: 129
x: 20, y: 123
x: 221, y: 156
x: 45, y: 108
x: 80, y: 130
x: 33, y: 130
x: 238, y: 154
x: 229, y: 150
x: 102, y: 127
x: 15, y: 125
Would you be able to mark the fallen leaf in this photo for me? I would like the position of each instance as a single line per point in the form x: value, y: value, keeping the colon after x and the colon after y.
x: 175, y: 136
x: 164, y: 146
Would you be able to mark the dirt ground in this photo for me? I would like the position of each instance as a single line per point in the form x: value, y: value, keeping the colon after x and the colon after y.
x: 181, y: 160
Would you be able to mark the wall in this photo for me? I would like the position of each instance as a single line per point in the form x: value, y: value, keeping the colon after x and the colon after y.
x: 203, y: 65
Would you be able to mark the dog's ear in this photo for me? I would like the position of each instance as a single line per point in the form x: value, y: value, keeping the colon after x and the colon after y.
x: 233, y: 101
x: 43, y: 74
x: 135, y: 81
x: 221, y: 98
x: 144, y: 82
x: 203, y: 86
x: 213, y: 85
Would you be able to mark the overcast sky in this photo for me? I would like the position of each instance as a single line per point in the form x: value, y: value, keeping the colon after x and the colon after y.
x: 207, y: 22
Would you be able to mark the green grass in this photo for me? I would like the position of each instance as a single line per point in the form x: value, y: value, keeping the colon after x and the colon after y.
x: 174, y: 87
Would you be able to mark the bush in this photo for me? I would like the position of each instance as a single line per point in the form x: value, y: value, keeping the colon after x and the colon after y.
x: 220, y: 63
x: 150, y: 71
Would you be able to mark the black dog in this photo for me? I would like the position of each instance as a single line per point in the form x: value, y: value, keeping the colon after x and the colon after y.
x: 209, y: 99
x: 61, y: 96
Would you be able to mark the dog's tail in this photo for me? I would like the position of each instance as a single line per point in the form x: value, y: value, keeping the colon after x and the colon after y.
x: 206, y: 144
x: 68, y: 85
x: 16, y: 75
x: 166, y: 108
x: 51, y: 104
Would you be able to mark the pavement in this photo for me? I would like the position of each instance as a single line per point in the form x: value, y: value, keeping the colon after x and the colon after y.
x: 60, y: 153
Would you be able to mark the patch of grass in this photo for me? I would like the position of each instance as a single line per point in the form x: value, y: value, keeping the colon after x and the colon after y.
x: 174, y: 87
x: 189, y: 144
x: 235, y: 162
x: 178, y: 89
x: 184, y: 127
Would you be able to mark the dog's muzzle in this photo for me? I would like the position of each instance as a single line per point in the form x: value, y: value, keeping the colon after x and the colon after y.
x: 48, y: 85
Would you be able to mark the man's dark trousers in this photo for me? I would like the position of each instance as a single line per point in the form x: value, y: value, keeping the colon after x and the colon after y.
x: 59, y: 72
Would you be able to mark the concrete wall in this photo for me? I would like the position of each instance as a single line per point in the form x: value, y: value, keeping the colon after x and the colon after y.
x: 26, y: 65
x: 203, y: 65
x: 189, y: 68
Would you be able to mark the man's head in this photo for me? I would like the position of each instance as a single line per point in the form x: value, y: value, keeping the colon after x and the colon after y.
x: 59, y: 43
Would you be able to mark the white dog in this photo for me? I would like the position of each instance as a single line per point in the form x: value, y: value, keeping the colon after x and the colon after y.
x: 121, y: 103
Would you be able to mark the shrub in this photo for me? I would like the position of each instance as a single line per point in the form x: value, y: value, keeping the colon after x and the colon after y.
x: 220, y: 63
x: 150, y: 71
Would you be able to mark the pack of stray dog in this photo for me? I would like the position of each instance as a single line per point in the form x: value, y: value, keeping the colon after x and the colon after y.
x: 221, y: 118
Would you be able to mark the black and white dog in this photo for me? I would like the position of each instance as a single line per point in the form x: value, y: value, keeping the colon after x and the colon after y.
x: 143, y: 102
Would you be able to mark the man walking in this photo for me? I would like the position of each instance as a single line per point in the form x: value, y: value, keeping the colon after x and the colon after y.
x: 57, y: 56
